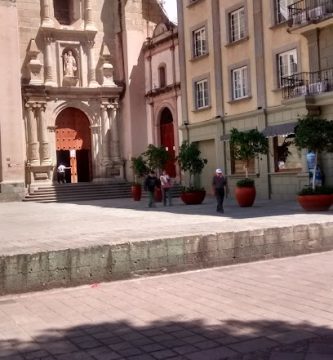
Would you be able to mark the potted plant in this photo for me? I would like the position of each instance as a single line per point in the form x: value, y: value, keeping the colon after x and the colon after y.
x: 140, y: 170
x: 156, y: 158
x: 190, y: 161
x: 245, y: 146
x: 315, y: 135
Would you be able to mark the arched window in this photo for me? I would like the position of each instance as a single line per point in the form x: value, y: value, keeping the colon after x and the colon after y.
x: 162, y: 76
x: 62, y: 11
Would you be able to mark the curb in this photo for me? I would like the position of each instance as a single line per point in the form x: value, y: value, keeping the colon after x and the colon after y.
x: 70, y: 267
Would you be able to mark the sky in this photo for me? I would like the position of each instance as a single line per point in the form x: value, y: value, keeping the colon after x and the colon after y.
x: 171, y: 8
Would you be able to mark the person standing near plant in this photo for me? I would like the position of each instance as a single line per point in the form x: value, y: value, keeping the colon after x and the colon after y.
x: 151, y: 182
x: 219, y: 184
x: 166, y: 188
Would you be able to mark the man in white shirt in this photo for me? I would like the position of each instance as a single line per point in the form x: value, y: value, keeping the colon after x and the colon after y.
x: 61, y: 173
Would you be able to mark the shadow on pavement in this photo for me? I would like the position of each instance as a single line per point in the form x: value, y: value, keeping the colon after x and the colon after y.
x: 192, y: 340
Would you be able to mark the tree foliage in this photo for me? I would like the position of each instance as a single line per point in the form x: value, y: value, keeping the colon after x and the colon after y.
x: 156, y: 157
x: 190, y: 161
x: 247, y: 145
x: 139, y: 167
x: 316, y: 135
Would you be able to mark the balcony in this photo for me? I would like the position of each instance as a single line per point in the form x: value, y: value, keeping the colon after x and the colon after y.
x: 309, y: 12
x: 307, y: 84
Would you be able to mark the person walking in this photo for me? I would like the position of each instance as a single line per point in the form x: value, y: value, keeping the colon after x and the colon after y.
x: 166, y: 188
x: 219, y: 184
x: 150, y: 184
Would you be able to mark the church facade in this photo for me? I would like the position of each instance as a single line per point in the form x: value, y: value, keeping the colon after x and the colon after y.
x: 75, y: 89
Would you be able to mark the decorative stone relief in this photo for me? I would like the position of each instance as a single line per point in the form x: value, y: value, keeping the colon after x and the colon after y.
x: 34, y: 64
x: 107, y: 68
x: 70, y: 69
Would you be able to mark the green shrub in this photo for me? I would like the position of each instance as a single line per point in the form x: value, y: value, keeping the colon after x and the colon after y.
x: 319, y: 190
x: 245, y: 183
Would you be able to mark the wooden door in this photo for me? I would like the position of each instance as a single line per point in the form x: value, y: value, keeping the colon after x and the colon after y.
x: 73, y: 135
x: 168, y: 140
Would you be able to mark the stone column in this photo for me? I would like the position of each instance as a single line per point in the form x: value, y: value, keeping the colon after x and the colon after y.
x: 33, y: 155
x: 43, y: 140
x: 45, y: 14
x: 91, y: 65
x: 48, y: 62
x: 105, y: 133
x: 89, y: 23
x: 114, y: 141
x: 95, y: 129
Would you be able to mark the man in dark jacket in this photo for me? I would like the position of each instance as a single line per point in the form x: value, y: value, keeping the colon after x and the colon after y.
x: 219, y: 184
x: 151, y: 182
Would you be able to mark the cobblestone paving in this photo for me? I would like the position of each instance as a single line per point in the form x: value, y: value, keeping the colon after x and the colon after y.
x: 275, y: 310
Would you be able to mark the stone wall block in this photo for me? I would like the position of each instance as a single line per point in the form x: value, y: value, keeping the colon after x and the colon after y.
x: 37, y: 270
x: 158, y: 255
x: 175, y: 249
x: 286, y: 234
x: 242, y: 239
x: 301, y: 233
x: 225, y: 241
x: 59, y: 267
x: 120, y: 261
x: 192, y: 244
x: 272, y: 236
x: 139, y: 255
x: 272, y: 251
x: 257, y: 237
x: 15, y: 273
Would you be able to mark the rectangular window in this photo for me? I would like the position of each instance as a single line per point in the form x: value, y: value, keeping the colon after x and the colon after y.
x: 237, y: 25
x: 287, y: 65
x: 201, y: 94
x: 281, y: 10
x: 199, y: 42
x: 240, y: 83
x: 286, y: 155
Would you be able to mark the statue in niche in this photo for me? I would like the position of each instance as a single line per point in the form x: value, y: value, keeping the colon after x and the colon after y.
x: 70, y: 65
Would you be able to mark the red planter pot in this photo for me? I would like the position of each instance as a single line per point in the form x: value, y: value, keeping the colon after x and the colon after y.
x: 158, y: 194
x: 193, y: 198
x: 245, y: 196
x: 315, y: 202
x: 136, y: 192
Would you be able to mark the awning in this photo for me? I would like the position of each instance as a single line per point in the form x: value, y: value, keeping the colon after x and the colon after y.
x: 281, y: 129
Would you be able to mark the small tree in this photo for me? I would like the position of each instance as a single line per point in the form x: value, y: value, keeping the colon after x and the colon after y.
x: 316, y: 135
x: 139, y: 167
x: 156, y: 157
x: 247, y: 145
x: 189, y: 160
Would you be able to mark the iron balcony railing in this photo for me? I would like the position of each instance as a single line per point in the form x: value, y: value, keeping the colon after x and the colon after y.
x: 306, y: 11
x: 307, y: 83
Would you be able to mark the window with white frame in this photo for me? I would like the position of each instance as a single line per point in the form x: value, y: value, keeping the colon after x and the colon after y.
x: 201, y: 94
x: 237, y: 24
x: 240, y: 83
x: 281, y: 10
x: 199, y: 42
x: 287, y: 65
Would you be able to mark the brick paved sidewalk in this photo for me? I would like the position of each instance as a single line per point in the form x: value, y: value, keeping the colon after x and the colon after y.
x: 277, y: 310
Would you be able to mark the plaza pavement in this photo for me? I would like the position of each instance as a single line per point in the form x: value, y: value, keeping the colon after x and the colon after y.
x: 65, y: 244
x: 280, y: 309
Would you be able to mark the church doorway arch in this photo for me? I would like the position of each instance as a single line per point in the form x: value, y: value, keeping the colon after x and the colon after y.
x: 73, y: 144
x: 168, y: 139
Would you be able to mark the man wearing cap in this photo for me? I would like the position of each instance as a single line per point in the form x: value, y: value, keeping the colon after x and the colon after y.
x: 219, y: 184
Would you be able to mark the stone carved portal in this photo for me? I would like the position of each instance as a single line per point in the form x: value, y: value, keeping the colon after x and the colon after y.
x: 73, y: 143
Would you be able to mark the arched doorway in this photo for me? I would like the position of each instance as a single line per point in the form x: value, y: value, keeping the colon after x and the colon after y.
x: 168, y: 140
x: 73, y: 142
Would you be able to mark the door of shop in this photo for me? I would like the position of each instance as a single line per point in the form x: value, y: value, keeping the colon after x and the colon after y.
x: 168, y: 140
x: 73, y: 142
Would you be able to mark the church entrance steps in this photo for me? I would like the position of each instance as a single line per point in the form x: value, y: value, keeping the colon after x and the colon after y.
x: 80, y: 192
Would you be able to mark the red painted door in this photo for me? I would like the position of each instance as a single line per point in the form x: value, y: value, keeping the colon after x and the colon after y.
x: 168, y: 141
